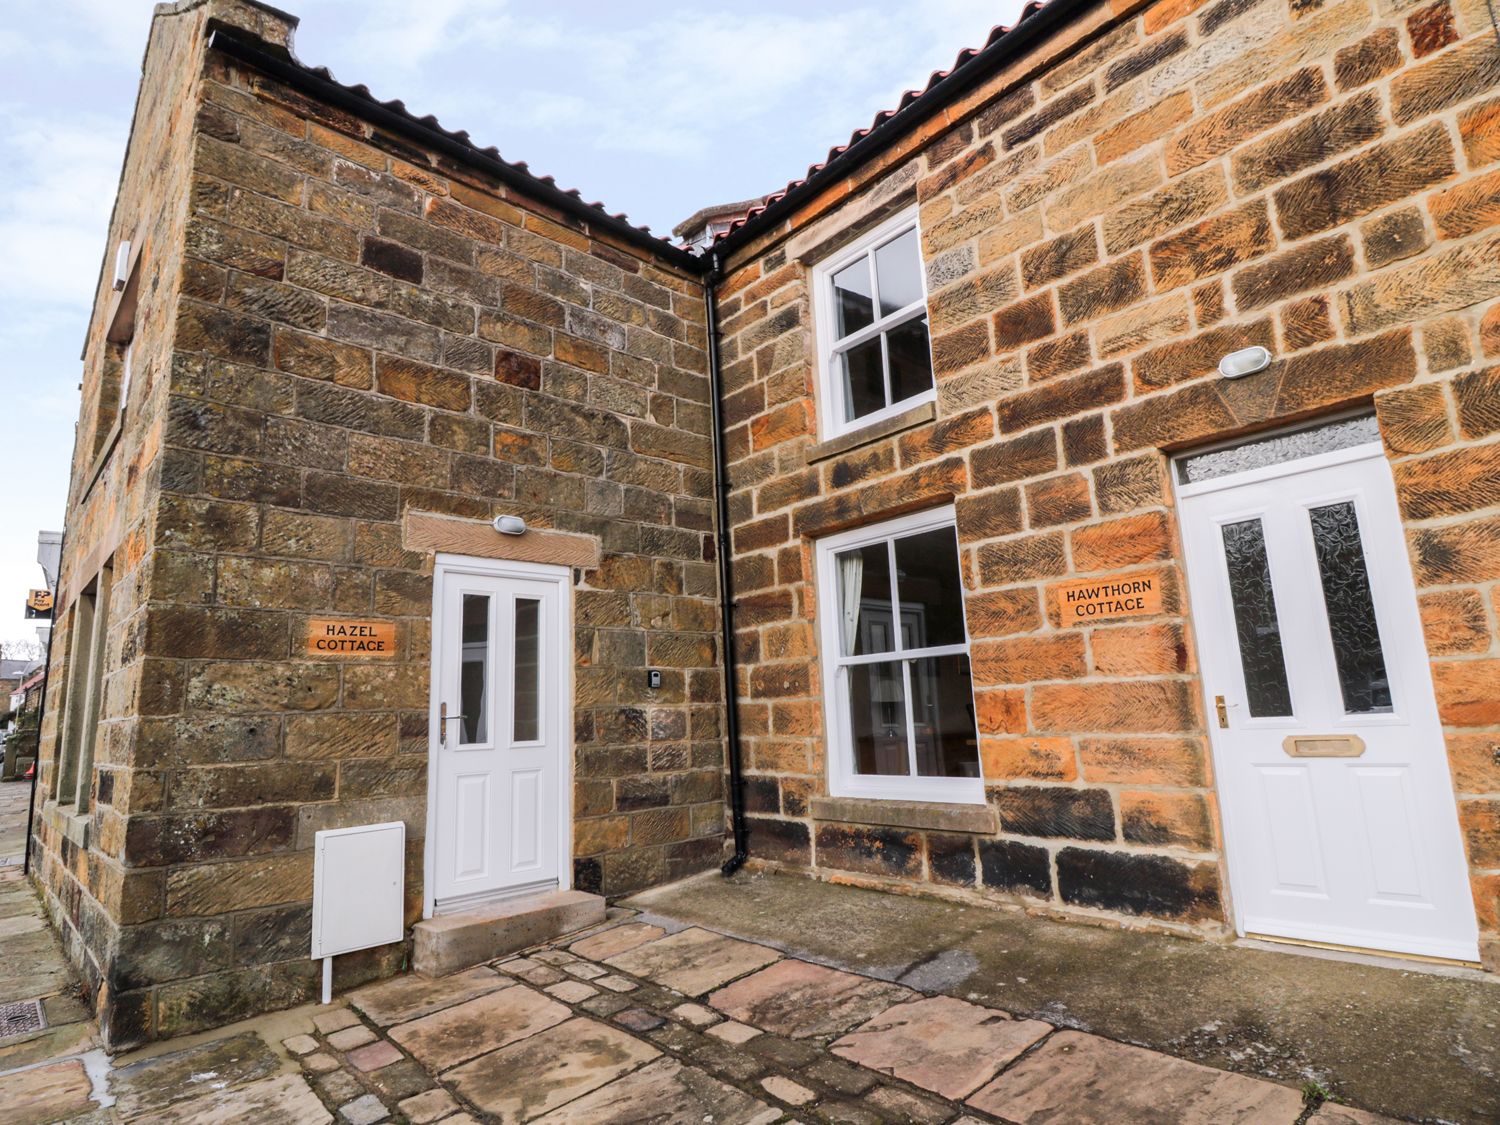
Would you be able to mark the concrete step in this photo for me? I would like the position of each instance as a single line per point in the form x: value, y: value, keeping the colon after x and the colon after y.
x: 451, y: 942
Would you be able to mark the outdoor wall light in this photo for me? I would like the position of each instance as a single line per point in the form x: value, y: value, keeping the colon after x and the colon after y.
x: 1246, y: 361
x: 510, y: 525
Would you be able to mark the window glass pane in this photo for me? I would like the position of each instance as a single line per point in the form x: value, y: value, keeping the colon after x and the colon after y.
x: 898, y: 273
x: 525, y: 726
x: 864, y: 380
x: 864, y: 609
x: 928, y: 583
x: 942, y: 707
x: 1255, y: 619
x: 474, y: 673
x: 1351, y: 611
x: 910, y: 358
x: 1278, y: 448
x: 877, y: 718
x: 852, y: 298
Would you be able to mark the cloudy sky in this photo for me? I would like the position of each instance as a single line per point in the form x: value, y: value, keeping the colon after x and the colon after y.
x: 654, y: 108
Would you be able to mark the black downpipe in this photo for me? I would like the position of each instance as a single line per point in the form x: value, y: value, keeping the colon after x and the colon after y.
x: 726, y: 585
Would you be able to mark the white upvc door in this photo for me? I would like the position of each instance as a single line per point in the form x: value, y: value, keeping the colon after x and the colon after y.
x: 1339, y: 812
x: 497, y: 823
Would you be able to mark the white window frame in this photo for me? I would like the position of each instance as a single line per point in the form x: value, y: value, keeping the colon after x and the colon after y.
x: 831, y: 404
x: 843, y: 781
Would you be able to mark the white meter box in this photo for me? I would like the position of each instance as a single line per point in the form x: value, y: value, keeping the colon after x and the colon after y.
x: 358, y: 875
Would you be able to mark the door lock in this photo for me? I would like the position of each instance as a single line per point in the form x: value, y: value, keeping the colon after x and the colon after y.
x: 1223, y: 709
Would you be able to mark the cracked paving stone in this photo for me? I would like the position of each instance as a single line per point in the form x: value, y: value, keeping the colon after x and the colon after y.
x: 732, y: 1031
x: 638, y: 1019
x: 695, y: 1014
x: 532, y: 972
x: 454, y: 1035
x: 552, y: 1067
x: 693, y: 961
x: 320, y: 1063
x: 571, y: 991
x: 270, y: 1101
x: 350, y: 1038
x: 605, y: 1005
x: 336, y: 1020
x: 902, y: 1105
x: 941, y: 1044
x: 373, y: 1056
x: 1083, y: 1079
x: 840, y: 1077
x: 412, y: 996
x: 159, y: 1081
x: 46, y: 1093
x: 664, y: 1091
x: 364, y: 1111
x: 340, y: 1086
x: 802, y: 1000
x: 793, y: 1093
x: 428, y: 1106
x: 616, y: 940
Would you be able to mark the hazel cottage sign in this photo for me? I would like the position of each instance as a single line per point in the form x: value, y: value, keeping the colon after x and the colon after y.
x: 336, y: 636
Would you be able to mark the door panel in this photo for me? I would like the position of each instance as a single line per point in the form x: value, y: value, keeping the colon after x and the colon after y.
x: 496, y: 737
x: 1307, y: 622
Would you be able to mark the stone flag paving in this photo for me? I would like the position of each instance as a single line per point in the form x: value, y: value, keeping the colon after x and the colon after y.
x: 648, y: 1021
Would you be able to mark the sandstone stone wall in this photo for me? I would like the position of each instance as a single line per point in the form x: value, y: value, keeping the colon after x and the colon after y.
x: 1100, y: 223
x: 366, y: 329
x: 77, y: 849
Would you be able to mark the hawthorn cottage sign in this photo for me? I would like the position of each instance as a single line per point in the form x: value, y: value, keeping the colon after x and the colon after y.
x: 1095, y: 598
x: 337, y: 636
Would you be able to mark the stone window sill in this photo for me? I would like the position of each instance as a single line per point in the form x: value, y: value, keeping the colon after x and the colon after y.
x: 979, y: 820
x: 74, y: 826
x: 922, y: 412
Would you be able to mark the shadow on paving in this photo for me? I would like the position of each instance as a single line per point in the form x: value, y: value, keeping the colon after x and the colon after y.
x: 1413, y: 1044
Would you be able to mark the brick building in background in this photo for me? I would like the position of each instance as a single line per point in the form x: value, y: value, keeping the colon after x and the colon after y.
x: 979, y: 459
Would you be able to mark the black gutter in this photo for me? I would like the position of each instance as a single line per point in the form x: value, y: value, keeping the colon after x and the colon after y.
x: 726, y: 582
x: 1017, y: 40
x: 325, y: 89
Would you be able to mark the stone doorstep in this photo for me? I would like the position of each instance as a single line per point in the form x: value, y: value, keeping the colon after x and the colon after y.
x: 451, y: 942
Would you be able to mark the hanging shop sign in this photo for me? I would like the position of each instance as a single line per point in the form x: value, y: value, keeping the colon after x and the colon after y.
x: 39, y: 604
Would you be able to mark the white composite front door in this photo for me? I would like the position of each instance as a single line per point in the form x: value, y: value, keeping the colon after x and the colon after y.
x: 498, y: 732
x: 1338, y: 805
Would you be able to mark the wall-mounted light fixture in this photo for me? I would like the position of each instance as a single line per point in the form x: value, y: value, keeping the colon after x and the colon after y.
x: 510, y: 525
x: 1246, y: 361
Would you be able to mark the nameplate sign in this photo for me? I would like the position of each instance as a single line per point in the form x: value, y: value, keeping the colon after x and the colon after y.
x: 1093, y: 599
x: 347, y: 636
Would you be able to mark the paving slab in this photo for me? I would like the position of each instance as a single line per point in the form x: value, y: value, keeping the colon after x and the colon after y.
x: 801, y: 1000
x: 281, y: 1100
x: 46, y: 1093
x: 616, y: 940
x: 411, y: 996
x: 664, y: 1091
x: 155, y: 1082
x: 941, y: 1044
x: 1085, y: 1080
x: 454, y: 1035
x: 1410, y: 1043
x: 374, y: 1056
x: 428, y: 1106
x: 692, y: 961
x: 539, y: 1074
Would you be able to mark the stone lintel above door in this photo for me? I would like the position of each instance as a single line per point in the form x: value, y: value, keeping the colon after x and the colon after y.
x: 432, y: 533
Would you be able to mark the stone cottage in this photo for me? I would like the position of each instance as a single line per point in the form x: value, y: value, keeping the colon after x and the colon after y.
x: 1094, y: 466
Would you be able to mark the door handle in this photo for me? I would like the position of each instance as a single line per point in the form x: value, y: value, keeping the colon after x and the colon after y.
x: 1223, y: 711
x: 443, y: 720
